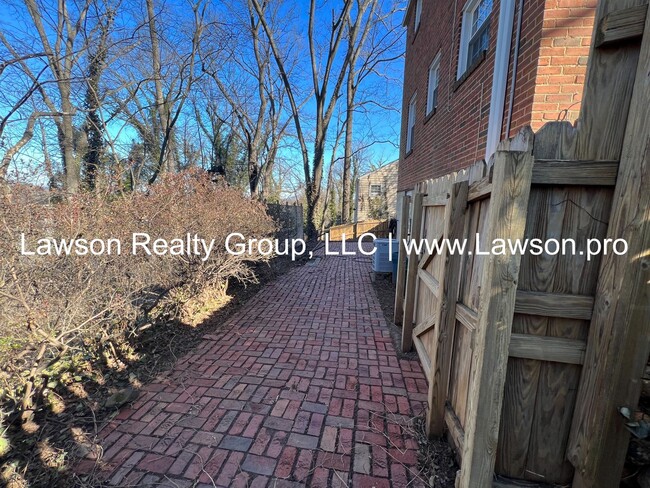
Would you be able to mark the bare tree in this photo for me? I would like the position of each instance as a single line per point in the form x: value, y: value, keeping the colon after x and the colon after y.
x: 94, y: 127
x: 195, y: 89
x: 327, y: 80
x: 62, y: 57
x: 373, y: 43
x: 152, y: 97
x: 260, y: 119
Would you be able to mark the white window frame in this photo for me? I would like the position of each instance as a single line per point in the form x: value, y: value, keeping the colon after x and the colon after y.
x: 466, y: 36
x: 418, y: 14
x: 433, y: 83
x: 410, y: 123
x: 372, y: 194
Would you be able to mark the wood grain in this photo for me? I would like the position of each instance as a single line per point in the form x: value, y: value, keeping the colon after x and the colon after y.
x: 607, y: 92
x: 576, y: 173
x: 507, y: 219
x: 479, y: 190
x: 544, y: 221
x: 554, y: 304
x: 618, y: 347
x: 455, y: 429
x: 555, y: 349
x: 621, y: 25
x: 432, y: 284
x: 411, y: 276
x: 439, y: 200
x: 445, y: 313
x: 467, y: 316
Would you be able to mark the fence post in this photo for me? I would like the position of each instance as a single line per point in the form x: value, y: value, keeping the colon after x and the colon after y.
x: 401, y: 263
x: 412, y: 275
x: 618, y: 344
x: 507, y: 220
x: 300, y: 231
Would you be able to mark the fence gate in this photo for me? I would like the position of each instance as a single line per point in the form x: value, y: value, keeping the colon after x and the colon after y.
x: 454, y: 300
x: 431, y: 289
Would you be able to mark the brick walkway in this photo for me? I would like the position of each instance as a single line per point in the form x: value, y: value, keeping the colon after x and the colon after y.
x: 303, y: 388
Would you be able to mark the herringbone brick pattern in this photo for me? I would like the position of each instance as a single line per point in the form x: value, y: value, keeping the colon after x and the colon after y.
x: 302, y: 388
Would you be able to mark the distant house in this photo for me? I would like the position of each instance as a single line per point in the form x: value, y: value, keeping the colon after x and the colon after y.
x: 477, y: 71
x: 375, y: 194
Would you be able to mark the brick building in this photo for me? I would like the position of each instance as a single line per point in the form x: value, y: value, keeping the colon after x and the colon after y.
x: 463, y: 58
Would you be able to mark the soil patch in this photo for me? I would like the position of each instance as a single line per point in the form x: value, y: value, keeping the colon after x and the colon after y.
x: 385, y: 290
x: 436, y: 459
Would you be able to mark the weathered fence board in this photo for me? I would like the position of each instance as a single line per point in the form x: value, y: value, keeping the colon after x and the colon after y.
x: 401, y: 264
x: 506, y: 394
x: 446, y: 314
x: 507, y: 220
x: 379, y: 228
x: 618, y: 345
x: 411, y: 275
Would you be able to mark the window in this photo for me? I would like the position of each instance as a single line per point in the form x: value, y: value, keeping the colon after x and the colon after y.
x: 475, y: 33
x: 410, y: 127
x: 375, y: 191
x: 434, y: 81
x: 418, y: 14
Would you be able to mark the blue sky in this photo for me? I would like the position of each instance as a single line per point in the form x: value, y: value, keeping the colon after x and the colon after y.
x: 375, y: 126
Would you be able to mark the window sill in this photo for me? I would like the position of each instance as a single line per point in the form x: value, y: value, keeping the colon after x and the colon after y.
x: 408, y: 153
x: 430, y: 115
x: 469, y: 70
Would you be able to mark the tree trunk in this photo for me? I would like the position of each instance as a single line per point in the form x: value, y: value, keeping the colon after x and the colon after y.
x: 314, y: 185
x: 71, y: 164
x: 347, y: 159
x: 165, y: 162
x: 94, y: 126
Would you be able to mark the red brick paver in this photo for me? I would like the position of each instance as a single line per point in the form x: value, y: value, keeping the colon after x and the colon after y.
x: 302, y: 388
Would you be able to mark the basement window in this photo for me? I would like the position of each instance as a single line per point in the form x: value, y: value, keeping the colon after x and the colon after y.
x: 375, y: 191
x: 434, y: 82
x: 410, y: 125
x: 475, y: 33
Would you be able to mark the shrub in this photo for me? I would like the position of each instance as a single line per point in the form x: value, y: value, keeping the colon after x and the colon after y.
x: 54, y: 307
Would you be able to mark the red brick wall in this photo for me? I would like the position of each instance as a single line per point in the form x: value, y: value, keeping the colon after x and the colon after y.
x: 525, y: 85
x: 566, y: 37
x: 455, y: 136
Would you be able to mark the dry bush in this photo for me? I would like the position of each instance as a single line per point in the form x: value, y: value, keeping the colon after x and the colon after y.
x: 52, y: 308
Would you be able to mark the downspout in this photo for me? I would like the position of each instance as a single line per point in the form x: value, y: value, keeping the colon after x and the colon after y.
x: 511, y: 102
x: 500, y: 76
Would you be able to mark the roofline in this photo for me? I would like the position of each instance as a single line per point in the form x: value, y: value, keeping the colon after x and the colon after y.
x: 377, y: 169
x: 406, y: 13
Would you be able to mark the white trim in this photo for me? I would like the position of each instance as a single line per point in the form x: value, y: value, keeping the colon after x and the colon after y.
x: 466, y: 36
x: 410, y: 123
x: 418, y: 15
x: 500, y: 76
x: 434, y: 66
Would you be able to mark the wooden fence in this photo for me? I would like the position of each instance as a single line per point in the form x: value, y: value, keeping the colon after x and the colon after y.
x: 379, y: 228
x: 289, y: 219
x: 530, y: 356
